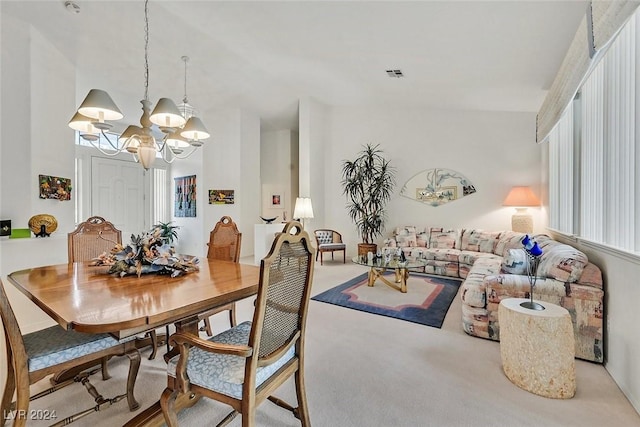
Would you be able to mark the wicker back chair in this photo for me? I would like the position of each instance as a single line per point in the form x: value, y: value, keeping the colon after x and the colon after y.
x: 244, y: 365
x: 39, y: 354
x: 224, y: 241
x: 224, y: 244
x: 91, y: 238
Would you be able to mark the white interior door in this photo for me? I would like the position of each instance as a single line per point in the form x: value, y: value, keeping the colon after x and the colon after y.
x: 117, y: 194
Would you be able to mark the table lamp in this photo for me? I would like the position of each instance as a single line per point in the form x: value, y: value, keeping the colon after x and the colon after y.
x: 303, y: 209
x: 521, y: 198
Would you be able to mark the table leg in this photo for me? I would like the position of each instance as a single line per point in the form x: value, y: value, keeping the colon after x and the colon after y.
x: 401, y: 276
x: 373, y: 274
x: 404, y: 273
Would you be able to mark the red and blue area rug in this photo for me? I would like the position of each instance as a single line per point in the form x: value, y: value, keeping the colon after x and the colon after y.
x: 426, y: 302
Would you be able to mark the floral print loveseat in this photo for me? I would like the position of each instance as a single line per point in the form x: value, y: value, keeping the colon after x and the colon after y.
x: 492, y: 265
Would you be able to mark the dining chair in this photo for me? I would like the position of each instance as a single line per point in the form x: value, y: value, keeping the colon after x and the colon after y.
x: 329, y: 241
x: 224, y: 244
x: 244, y: 365
x: 33, y: 356
x: 91, y: 239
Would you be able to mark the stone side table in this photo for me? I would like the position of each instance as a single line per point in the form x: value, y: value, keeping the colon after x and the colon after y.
x: 538, y: 348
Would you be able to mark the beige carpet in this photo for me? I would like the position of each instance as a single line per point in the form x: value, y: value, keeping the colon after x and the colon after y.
x: 366, y: 370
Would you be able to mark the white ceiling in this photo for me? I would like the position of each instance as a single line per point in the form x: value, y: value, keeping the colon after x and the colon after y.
x: 265, y: 55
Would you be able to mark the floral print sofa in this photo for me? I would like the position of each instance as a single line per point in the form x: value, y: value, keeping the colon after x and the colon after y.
x: 493, y: 267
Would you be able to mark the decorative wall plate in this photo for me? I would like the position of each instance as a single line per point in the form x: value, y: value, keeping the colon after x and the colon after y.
x: 437, y: 186
x: 49, y: 222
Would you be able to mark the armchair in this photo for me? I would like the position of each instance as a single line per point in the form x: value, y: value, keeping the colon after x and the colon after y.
x: 224, y: 243
x: 34, y: 356
x: 244, y: 365
x: 91, y: 238
x: 329, y: 241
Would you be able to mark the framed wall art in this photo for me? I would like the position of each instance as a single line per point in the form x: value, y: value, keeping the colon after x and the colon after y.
x: 277, y: 200
x: 436, y: 187
x: 54, y: 187
x: 185, y: 196
x: 221, y: 197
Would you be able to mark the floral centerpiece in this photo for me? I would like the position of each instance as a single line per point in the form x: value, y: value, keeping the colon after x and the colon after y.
x: 149, y: 252
x: 533, y: 253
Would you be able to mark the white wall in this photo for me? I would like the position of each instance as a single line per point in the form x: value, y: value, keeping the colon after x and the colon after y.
x: 494, y: 150
x: 230, y: 160
x: 38, y: 93
x: 279, y: 155
x: 313, y: 154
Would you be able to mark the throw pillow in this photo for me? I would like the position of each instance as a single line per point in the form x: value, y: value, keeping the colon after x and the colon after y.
x: 479, y: 241
x: 406, y: 237
x: 422, y: 239
x: 515, y: 262
x: 562, y: 262
x: 508, y: 240
x: 440, y: 238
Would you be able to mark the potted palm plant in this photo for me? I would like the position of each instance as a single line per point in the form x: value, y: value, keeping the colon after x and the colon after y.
x: 168, y: 231
x: 368, y: 183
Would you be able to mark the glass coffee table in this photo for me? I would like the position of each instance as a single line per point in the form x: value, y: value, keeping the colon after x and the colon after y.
x: 378, y: 266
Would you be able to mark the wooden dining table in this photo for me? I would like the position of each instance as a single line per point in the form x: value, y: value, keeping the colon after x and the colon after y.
x: 87, y: 299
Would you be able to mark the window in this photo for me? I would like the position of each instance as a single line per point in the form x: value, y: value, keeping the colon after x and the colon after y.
x: 603, y: 153
x: 160, y: 211
x: 155, y: 187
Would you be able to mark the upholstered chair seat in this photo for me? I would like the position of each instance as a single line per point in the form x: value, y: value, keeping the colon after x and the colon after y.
x: 53, y: 346
x: 222, y: 372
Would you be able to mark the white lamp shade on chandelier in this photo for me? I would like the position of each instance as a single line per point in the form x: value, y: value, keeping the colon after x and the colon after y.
x: 180, y: 131
x: 98, y: 105
x: 521, y: 198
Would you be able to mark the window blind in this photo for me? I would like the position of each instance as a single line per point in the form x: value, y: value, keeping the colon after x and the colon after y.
x: 607, y: 17
x: 561, y: 143
x: 608, y: 146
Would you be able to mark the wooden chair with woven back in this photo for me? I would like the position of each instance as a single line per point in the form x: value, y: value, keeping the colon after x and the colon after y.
x: 224, y: 244
x: 91, y: 239
x: 36, y: 355
x: 243, y: 366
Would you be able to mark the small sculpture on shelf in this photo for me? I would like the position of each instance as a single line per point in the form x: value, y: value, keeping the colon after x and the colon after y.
x: 42, y: 225
x: 268, y: 220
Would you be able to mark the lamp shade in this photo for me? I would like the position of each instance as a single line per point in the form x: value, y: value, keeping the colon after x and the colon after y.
x: 521, y: 196
x: 194, y: 129
x: 303, y: 208
x: 175, y: 140
x: 129, y: 139
x: 99, y: 105
x: 82, y: 123
x: 166, y: 114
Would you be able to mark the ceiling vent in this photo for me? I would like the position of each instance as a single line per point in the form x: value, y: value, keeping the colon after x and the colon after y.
x: 395, y: 73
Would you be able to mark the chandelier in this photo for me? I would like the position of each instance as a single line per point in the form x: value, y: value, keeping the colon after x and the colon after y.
x: 182, y: 131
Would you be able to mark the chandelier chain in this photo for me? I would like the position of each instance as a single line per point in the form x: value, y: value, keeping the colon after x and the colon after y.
x: 146, y: 50
x: 185, y: 59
